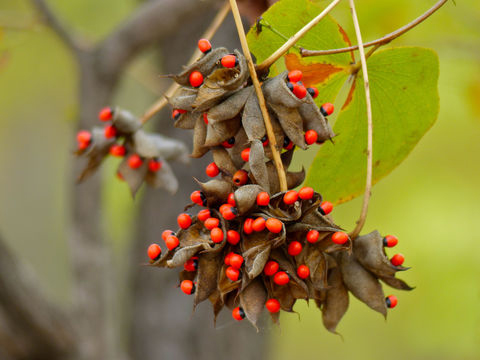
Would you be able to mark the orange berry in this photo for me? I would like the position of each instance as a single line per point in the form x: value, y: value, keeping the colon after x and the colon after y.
x: 303, y: 271
x: 191, y: 264
x: 154, y: 251
x: 391, y: 301
x: 84, y: 136
x: 273, y: 305
x: 397, y: 259
x: 205, y: 118
x: 232, y: 273
x: 247, y: 226
x: 274, y: 225
x: 238, y: 313
x: 184, y: 221
x: 109, y: 131
x: 263, y: 199
x: 229, y: 143
x: 177, y: 113
x: 294, y: 76
x: 228, y: 257
x: 204, y: 46
x: 245, y: 154
x: 311, y: 137
x: 106, y: 114
x: 312, y: 236
x: 390, y: 241
x: 233, y: 237
x: 212, y: 170
x: 187, y: 287
x: 229, y: 212
x: 154, y: 165
x: 295, y: 248
x: 339, y: 237
x: 287, y: 143
x: 290, y: 197
x: 117, y: 150
x: 240, y: 177
x: 135, y: 161
x: 196, y: 79
x: 172, y: 242
x: 166, y: 234
x: 305, y: 193
x: 313, y: 91
x: 203, y: 214
x: 198, y: 198
x: 231, y: 199
x: 229, y: 61
x: 271, y: 268
x: 327, y: 109
x: 258, y: 224
x: 325, y: 208
x: 216, y: 234
x: 236, y: 261
x: 299, y: 91
x: 211, y: 223
x: 281, y: 278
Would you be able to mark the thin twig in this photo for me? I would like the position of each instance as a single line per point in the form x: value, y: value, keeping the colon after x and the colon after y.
x: 368, y: 184
x: 212, y: 29
x: 383, y: 40
x: 293, y: 40
x: 261, y: 99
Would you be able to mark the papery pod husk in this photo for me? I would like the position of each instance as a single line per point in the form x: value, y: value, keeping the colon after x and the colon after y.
x: 252, y: 118
x: 246, y: 197
x: 216, y: 191
x: 222, y: 159
x: 133, y: 177
x: 255, y: 251
x: 252, y: 300
x: 313, y: 119
x: 241, y: 142
x: 217, y: 305
x: 187, y: 120
x: 183, y: 98
x: 150, y: 145
x: 316, y: 262
x: 279, y: 136
x: 163, y: 178
x: 98, y: 149
x: 221, y: 131
x: 186, y: 275
x: 291, y: 122
x: 395, y: 283
x: 276, y: 208
x: 225, y: 285
x: 318, y: 221
x: 125, y: 122
x: 287, y: 263
x: 199, y: 136
x: 258, y: 168
x: 231, y: 107
x: 361, y: 283
x: 209, y: 266
x: 336, y: 300
x: 206, y: 64
x: 277, y: 92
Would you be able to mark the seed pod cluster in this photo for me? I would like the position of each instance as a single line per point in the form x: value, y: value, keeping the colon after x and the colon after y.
x: 144, y: 155
x: 252, y: 246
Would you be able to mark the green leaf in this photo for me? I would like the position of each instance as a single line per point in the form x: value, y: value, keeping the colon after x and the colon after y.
x: 403, y: 83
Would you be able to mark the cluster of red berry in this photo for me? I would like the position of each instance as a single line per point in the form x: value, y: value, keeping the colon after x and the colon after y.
x: 252, y: 246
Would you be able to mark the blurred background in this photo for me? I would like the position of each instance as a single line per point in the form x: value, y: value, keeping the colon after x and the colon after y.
x: 430, y: 202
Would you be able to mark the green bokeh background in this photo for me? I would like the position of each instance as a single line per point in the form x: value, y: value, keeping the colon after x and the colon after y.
x: 431, y: 201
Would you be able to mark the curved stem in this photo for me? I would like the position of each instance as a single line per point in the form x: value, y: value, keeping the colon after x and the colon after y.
x: 293, y: 40
x: 208, y: 34
x: 368, y: 185
x: 383, y: 40
x: 261, y: 99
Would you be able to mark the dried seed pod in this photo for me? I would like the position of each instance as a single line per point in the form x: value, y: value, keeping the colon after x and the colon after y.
x: 125, y: 122
x: 231, y: 107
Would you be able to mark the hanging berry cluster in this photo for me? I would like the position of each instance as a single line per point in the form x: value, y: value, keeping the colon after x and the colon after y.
x: 144, y: 154
x: 252, y: 246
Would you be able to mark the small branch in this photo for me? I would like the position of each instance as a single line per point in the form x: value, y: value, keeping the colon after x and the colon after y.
x: 51, y: 19
x: 293, y: 40
x: 208, y: 34
x: 383, y: 40
x: 368, y: 184
x: 261, y: 99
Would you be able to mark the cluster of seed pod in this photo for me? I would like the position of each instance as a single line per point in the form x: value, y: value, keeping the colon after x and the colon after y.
x: 252, y: 246
x: 144, y: 154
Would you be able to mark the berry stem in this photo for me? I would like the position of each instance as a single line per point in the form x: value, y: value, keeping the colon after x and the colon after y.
x: 261, y: 99
x: 212, y: 29
x: 293, y: 40
x: 368, y: 182
x: 381, y: 41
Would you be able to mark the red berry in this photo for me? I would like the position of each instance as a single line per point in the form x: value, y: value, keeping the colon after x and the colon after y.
x: 205, y: 118
x: 281, y: 278
x: 240, y: 177
x: 305, y: 193
x: 166, y: 234
x: 154, y: 251
x: 313, y: 91
x: 117, y: 150
x: 231, y: 199
x: 290, y: 197
x: 299, y: 91
x: 245, y: 154
x: 191, y: 264
x: 172, y: 242
x: 265, y: 140
x: 263, y: 199
x: 135, y: 161
x: 223, y: 207
x: 196, y: 79
x: 325, y: 208
x: 311, y: 137
x: 391, y: 301
x: 303, y: 271
x: 211, y: 223
x: 106, y: 114
x: 203, y: 214
x: 228, y: 257
x: 229, y: 212
x: 216, y: 234
x: 154, y: 165
x: 84, y: 136
x: 83, y: 145
x: 274, y: 225
x: 312, y: 236
x: 273, y: 305
x: 212, y: 170
x: 294, y: 248
x: 229, y: 143
x: 287, y: 143
x: 294, y: 76
x: 204, y: 46
x: 258, y: 224
x: 390, y: 241
x: 271, y: 268
x: 184, y: 221
x: 229, y: 61
x: 339, y: 237
x: 397, y: 259
x: 327, y: 109
x: 233, y: 237
x: 236, y: 261
x: 232, y: 273
x: 187, y: 287
x: 177, y: 112
x: 109, y: 131
x: 238, y: 313
x: 198, y: 198
x: 247, y: 226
